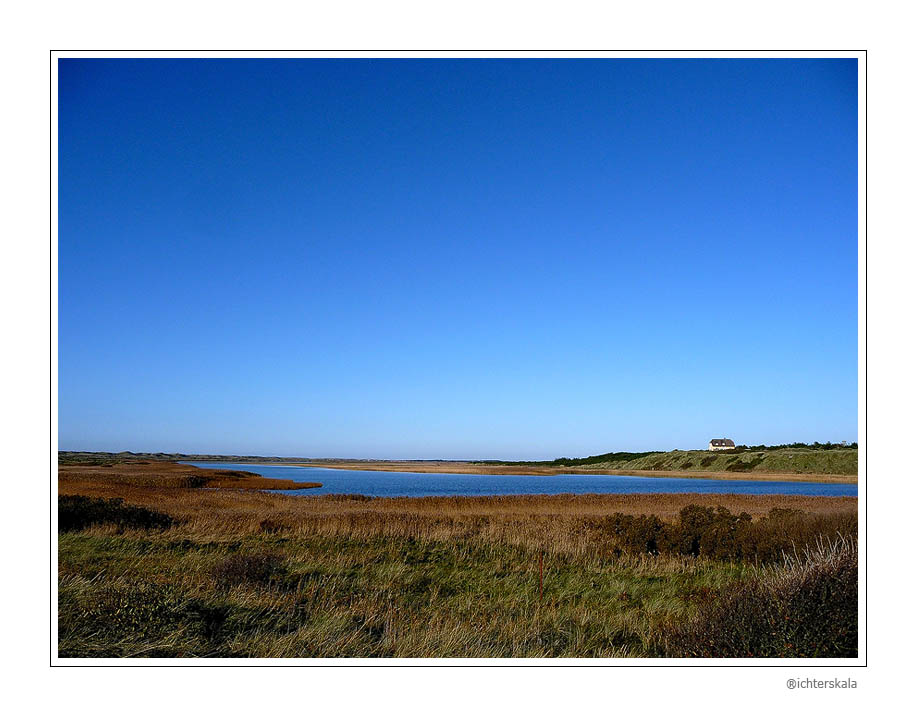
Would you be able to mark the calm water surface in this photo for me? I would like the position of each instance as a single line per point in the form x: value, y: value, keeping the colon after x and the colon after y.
x: 391, y: 484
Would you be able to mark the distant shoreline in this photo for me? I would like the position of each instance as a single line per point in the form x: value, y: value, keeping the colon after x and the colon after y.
x: 783, y: 464
x: 515, y: 470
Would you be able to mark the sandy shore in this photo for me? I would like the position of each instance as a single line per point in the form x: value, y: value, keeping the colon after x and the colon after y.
x: 489, y: 469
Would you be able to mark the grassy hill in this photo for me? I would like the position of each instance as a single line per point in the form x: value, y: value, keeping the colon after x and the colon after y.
x: 787, y: 460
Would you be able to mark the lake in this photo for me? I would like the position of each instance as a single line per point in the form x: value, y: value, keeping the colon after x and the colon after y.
x: 392, y: 484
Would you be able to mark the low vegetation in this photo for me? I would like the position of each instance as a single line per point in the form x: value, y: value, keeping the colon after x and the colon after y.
x: 809, y: 461
x: 704, y: 531
x: 804, y: 608
x: 236, y: 573
x: 77, y: 512
x: 800, y: 458
x: 99, y: 477
x: 813, y: 459
x: 97, y: 458
x: 619, y: 457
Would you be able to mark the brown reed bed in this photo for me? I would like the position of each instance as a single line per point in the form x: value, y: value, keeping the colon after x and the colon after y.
x: 557, y: 521
x: 164, y: 474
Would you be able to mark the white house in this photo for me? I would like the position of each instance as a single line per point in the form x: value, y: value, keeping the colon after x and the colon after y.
x: 721, y: 444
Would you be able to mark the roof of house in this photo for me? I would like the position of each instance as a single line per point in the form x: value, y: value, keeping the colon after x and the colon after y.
x: 723, y: 442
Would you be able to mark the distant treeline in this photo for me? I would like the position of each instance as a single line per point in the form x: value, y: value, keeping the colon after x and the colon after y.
x: 621, y: 456
x: 603, y: 458
x: 811, y: 446
x: 625, y: 456
x: 618, y: 457
x: 87, y: 457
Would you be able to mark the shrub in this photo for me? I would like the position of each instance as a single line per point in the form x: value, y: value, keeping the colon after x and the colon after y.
x: 808, y: 608
x: 641, y: 534
x: 254, y: 568
x: 785, y: 531
x: 719, y: 534
x: 710, y: 532
x: 78, y: 512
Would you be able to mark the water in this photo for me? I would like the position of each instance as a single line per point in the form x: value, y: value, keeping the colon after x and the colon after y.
x: 391, y: 484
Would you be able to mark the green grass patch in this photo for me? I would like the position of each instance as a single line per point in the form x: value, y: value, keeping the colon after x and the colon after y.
x: 801, y: 461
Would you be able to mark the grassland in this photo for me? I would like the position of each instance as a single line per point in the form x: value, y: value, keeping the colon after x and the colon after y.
x: 838, y: 465
x: 790, y: 461
x: 834, y: 466
x: 242, y: 572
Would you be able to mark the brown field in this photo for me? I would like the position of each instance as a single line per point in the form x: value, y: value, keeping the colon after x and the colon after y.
x: 487, y: 469
x: 101, y: 480
x: 239, y: 506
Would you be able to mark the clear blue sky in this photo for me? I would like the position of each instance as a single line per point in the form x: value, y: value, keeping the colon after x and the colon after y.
x: 432, y: 258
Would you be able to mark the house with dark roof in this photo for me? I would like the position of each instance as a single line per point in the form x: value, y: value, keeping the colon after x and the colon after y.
x: 721, y: 444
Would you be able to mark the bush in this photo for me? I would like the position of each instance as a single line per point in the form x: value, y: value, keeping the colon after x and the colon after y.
x: 255, y: 568
x: 642, y: 534
x: 806, y: 609
x: 719, y: 534
x: 714, y: 533
x: 78, y: 512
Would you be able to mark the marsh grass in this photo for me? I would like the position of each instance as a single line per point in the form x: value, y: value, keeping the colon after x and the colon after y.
x: 166, y: 475
x: 249, y: 573
x: 342, y: 597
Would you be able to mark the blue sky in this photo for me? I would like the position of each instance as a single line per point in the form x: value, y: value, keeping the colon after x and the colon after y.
x: 456, y: 258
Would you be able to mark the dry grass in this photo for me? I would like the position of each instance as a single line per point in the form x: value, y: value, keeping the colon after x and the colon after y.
x: 251, y: 573
x: 143, y: 474
x: 555, y: 521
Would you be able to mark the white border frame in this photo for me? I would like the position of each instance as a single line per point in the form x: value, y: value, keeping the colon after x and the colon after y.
x: 794, y: 666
